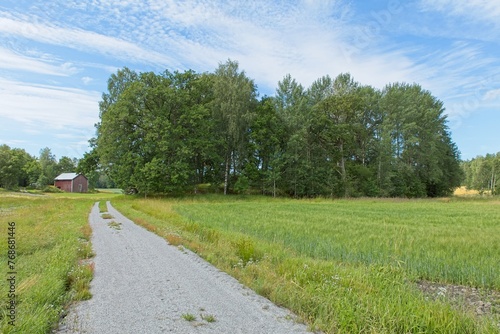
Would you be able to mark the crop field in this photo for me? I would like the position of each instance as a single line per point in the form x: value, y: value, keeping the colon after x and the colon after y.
x: 49, y: 244
x: 349, y: 266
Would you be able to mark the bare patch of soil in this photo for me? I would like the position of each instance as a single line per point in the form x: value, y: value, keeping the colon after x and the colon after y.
x: 481, y: 302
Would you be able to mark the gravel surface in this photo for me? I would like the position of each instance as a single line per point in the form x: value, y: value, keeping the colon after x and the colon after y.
x: 144, y: 285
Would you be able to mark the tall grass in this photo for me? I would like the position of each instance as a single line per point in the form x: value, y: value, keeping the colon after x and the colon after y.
x: 52, y: 241
x: 453, y: 242
x: 346, y: 266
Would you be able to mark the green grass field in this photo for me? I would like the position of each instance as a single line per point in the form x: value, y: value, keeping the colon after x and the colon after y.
x: 348, y: 266
x: 453, y: 242
x: 52, y: 241
x: 344, y: 266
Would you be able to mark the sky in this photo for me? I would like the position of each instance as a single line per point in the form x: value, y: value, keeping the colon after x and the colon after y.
x: 56, y: 56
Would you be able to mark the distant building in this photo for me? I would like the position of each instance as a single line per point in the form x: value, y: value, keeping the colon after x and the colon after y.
x: 72, y: 183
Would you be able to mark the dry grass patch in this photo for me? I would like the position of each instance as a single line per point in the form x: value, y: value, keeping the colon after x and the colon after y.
x: 174, y: 239
x: 463, y: 191
x: 145, y: 224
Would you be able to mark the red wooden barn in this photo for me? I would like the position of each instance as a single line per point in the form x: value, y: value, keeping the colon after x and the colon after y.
x: 72, y: 182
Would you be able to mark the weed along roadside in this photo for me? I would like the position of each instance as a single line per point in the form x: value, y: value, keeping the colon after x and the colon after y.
x: 53, y: 265
x: 353, y: 266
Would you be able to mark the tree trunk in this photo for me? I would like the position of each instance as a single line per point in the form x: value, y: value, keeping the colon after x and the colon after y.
x: 226, y: 175
x: 342, y: 169
x: 379, y: 172
x: 492, y: 182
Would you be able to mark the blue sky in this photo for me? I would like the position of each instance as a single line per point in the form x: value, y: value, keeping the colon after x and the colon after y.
x: 56, y: 55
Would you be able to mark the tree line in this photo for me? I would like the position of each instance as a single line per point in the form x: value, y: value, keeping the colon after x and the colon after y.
x: 187, y: 131
x: 20, y: 169
x: 482, y: 173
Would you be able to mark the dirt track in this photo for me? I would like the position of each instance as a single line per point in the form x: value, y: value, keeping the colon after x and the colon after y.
x: 144, y: 285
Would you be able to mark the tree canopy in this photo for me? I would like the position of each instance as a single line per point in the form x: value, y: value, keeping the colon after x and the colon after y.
x: 169, y: 132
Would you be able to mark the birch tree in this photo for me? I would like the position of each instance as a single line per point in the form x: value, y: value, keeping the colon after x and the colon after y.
x: 234, y: 99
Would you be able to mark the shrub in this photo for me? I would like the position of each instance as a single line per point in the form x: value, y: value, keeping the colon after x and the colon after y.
x: 51, y: 189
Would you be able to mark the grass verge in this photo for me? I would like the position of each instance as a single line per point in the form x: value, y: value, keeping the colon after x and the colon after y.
x: 52, y: 265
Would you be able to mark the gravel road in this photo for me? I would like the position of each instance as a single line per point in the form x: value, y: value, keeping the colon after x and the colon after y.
x: 144, y: 285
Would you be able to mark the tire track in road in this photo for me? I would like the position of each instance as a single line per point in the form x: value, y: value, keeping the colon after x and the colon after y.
x: 144, y: 285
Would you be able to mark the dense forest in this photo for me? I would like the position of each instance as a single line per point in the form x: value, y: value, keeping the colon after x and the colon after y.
x: 188, y: 131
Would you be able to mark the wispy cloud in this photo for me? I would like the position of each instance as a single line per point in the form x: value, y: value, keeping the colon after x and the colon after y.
x: 15, y: 61
x: 47, y: 107
x: 87, y: 80
x: 270, y: 39
x: 86, y: 41
x: 492, y: 95
x: 479, y: 10
x: 471, y: 19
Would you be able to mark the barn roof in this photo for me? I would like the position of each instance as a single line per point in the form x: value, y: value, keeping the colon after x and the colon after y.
x: 66, y: 176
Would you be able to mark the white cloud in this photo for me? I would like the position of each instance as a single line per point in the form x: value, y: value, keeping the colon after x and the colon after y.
x: 87, y: 80
x: 60, y: 118
x: 492, y: 94
x: 269, y: 39
x: 15, y: 61
x: 48, y: 108
x: 306, y: 39
x: 81, y: 40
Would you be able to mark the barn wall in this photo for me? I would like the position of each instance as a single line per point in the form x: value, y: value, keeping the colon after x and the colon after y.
x: 64, y: 185
x: 80, y: 184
